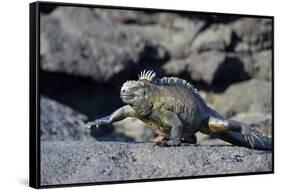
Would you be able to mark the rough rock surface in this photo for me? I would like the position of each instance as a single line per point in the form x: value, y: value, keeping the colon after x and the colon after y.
x: 217, y: 37
x: 263, y: 65
x: 175, y: 32
x: 59, y: 122
x: 177, y: 39
x: 81, y: 162
x: 249, y: 96
x: 79, y: 42
x: 209, y: 67
x: 257, y: 65
x: 253, y: 34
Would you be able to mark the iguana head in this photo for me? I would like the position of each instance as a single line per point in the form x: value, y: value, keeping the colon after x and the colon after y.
x: 138, y: 92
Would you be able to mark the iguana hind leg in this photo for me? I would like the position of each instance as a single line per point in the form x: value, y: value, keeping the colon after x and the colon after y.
x: 219, y: 125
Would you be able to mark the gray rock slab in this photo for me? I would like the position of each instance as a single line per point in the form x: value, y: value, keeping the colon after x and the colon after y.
x: 82, y: 162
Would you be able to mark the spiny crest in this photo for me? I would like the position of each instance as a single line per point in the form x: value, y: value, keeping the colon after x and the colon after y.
x: 147, y: 75
x: 176, y: 81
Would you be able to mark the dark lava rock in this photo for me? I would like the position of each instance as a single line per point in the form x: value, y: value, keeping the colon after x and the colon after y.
x: 173, y: 31
x: 216, y: 37
x: 59, y: 122
x: 249, y: 96
x: 143, y: 18
x: 125, y: 16
x: 253, y: 34
x: 76, y: 41
x: 263, y: 65
x: 257, y: 65
x: 82, y: 162
x: 209, y: 67
x: 177, y: 38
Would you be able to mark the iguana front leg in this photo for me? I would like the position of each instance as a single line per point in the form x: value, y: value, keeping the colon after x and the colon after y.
x: 120, y: 114
x: 250, y: 135
x: 171, y: 120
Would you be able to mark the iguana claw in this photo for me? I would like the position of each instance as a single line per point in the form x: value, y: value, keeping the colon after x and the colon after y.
x: 251, y: 136
x: 98, y: 122
x: 89, y: 124
x: 168, y: 142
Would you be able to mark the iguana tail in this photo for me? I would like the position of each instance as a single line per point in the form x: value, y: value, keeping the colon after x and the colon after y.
x: 236, y: 138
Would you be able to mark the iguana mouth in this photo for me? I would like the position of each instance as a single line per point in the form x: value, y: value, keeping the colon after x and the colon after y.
x: 127, y: 96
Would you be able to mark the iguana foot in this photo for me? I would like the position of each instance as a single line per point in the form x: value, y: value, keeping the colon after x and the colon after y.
x: 169, y: 142
x: 158, y: 138
x: 250, y: 135
x: 97, y: 122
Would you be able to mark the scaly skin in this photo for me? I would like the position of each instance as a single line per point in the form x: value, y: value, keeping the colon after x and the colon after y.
x: 174, y: 109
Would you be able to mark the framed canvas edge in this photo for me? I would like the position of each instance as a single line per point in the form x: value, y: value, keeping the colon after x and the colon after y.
x: 34, y: 100
x: 155, y: 180
x: 34, y: 112
x: 149, y: 9
x: 272, y: 96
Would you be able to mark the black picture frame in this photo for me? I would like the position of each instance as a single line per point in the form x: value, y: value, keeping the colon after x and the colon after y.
x: 34, y: 100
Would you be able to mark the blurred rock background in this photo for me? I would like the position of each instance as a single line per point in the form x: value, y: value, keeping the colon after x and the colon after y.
x: 87, y: 53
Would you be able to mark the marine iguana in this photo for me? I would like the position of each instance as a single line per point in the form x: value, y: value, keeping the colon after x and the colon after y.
x: 174, y: 109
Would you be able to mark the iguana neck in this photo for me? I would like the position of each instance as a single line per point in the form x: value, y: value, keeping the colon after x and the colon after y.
x: 143, y: 109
